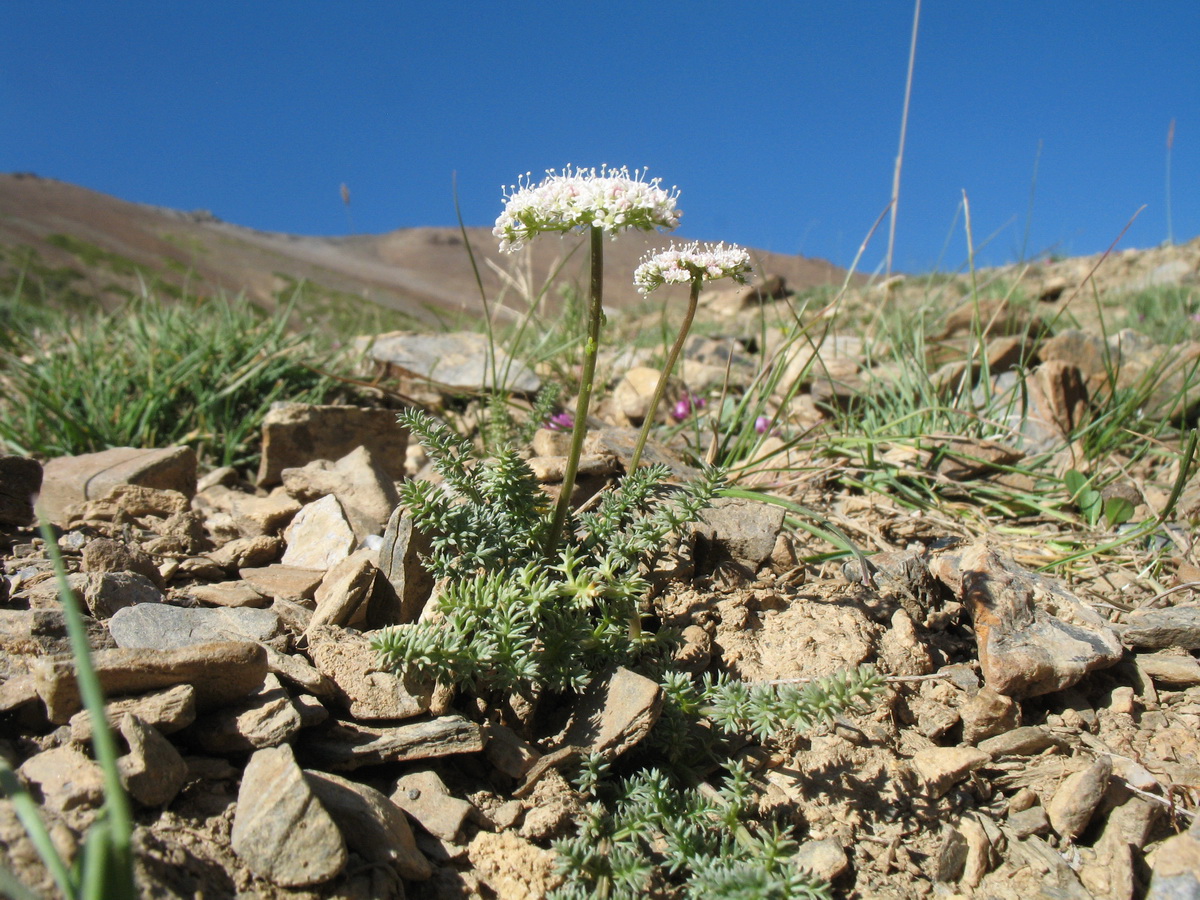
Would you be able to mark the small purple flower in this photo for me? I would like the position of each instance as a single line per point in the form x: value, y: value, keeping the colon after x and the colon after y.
x: 562, y: 421
x: 762, y: 423
x: 685, y: 406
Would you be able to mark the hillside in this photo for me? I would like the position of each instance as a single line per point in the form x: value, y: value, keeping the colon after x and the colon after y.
x: 83, y: 245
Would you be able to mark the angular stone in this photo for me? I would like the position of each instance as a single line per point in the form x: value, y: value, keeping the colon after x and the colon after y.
x: 1071, y: 807
x: 346, y: 746
x: 455, y: 359
x: 105, y: 555
x: 295, y: 434
x: 1029, y: 740
x: 347, y: 659
x: 1034, y: 637
x: 320, y: 536
x: 294, y: 669
x: 133, y: 501
x: 247, y: 552
x: 615, y: 712
x: 988, y: 714
x: 294, y: 615
x: 20, y: 482
x: 263, y: 516
x: 743, y: 531
x: 221, y: 673
x: 167, y: 711
x: 1158, y: 629
x: 825, y: 858
x: 508, y: 752
x: 281, y: 830
x: 1176, y: 874
x: 161, y: 626
x: 107, y: 593
x: 1170, y: 668
x: 343, y: 589
x: 400, y: 563
x: 942, y: 767
x: 286, y: 582
x: 235, y: 594
x: 152, y: 772
x: 631, y: 397
x: 423, y: 795
x: 66, y: 778
x: 71, y: 480
x: 364, y: 487
x: 374, y: 827
x: 266, y: 718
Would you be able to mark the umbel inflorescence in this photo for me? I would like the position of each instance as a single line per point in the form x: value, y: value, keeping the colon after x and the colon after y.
x: 576, y: 199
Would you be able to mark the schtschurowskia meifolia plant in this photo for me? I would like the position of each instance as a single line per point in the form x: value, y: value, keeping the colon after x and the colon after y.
x: 597, y: 202
x: 691, y: 264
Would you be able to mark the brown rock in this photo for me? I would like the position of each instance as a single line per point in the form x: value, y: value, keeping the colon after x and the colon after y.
x: 514, y: 868
x: 65, y: 777
x: 350, y: 745
x: 286, y: 582
x: 942, y: 767
x: 988, y: 714
x: 374, y: 827
x: 408, y: 578
x: 343, y: 589
x: 152, y: 772
x: 1158, y: 629
x: 1170, y: 668
x: 247, y: 552
x: 631, y: 397
x: 365, y: 488
x: 71, y: 480
x: 265, y: 718
x: 363, y: 688
x: 615, y: 713
x: 320, y: 536
x: 295, y: 434
x: 228, y: 593
x: 1034, y: 637
x: 221, y: 673
x: 167, y: 711
x: 105, y: 555
x: 423, y: 795
x: 281, y: 830
x: 1077, y: 797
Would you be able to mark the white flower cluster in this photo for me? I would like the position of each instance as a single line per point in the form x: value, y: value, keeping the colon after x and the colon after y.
x: 685, y: 264
x: 611, y: 199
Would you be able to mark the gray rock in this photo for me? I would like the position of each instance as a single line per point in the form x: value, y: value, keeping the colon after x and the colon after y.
x: 409, y: 579
x: 456, y: 360
x: 1158, y: 629
x: 152, y: 772
x: 281, y: 830
x: 1170, y: 668
x: 423, y: 795
x: 743, y: 531
x: 221, y: 673
x: 374, y: 827
x: 20, y: 482
x: 161, y: 626
x: 365, y: 488
x: 72, y: 480
x: 320, y: 536
x: 363, y: 688
x: 266, y: 718
x: 347, y: 745
x: 295, y: 434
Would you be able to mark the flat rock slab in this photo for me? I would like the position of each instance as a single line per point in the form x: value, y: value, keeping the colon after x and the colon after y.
x: 374, y: 827
x: 221, y: 673
x: 1034, y: 637
x: 65, y: 777
x: 1157, y: 629
x: 346, y: 746
x: 168, y: 711
x: 455, y: 359
x: 344, y: 588
x: 288, y: 582
x: 161, y: 626
x: 365, y: 488
x: 229, y: 594
x: 281, y: 830
x: 366, y: 691
x: 71, y: 480
x: 423, y: 795
x: 267, y: 718
x: 744, y: 531
x: 295, y: 434
x: 941, y: 768
x: 20, y: 482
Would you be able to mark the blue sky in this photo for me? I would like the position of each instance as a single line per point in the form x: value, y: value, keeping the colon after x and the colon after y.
x: 779, y: 121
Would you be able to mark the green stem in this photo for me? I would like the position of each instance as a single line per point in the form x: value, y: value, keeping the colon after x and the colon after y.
x: 672, y: 358
x: 579, y: 432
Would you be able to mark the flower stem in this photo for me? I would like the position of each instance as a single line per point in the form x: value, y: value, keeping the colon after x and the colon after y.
x: 579, y: 432
x: 672, y: 358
